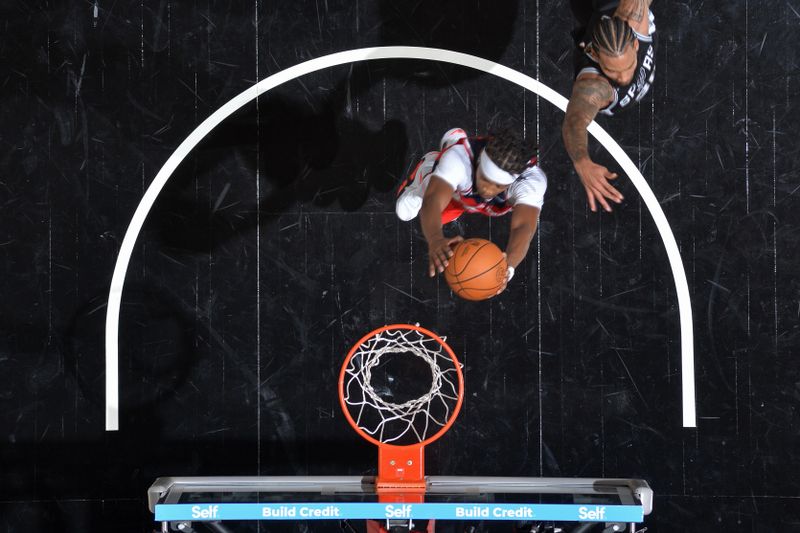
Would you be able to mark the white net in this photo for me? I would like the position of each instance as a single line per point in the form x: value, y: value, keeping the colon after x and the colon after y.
x: 376, y: 410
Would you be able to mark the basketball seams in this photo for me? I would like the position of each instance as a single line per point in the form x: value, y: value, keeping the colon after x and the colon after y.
x: 468, y: 294
x: 475, y: 253
x: 494, y: 266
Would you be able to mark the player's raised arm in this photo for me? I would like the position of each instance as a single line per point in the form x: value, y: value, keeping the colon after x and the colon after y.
x: 524, y: 220
x: 635, y: 13
x: 437, y: 196
x: 589, y: 95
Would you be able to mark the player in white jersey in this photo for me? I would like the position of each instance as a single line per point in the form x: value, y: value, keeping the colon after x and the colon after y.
x: 492, y: 175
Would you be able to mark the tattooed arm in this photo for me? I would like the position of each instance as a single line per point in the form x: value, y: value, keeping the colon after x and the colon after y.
x: 635, y: 12
x: 589, y: 95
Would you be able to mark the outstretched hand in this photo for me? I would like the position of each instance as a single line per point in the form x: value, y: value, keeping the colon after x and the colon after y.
x: 595, y: 179
x: 440, y: 252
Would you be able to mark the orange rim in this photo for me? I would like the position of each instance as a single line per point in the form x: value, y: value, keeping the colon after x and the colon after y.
x: 427, y: 333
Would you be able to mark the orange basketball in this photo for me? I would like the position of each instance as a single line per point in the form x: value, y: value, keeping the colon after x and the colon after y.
x: 477, y: 269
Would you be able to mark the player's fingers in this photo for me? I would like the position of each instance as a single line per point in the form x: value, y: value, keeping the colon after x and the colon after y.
x: 437, y: 256
x: 452, y: 241
x: 603, y: 203
x: 616, y: 195
x: 431, y: 268
x: 590, y: 199
x: 611, y: 193
x: 442, y: 259
x: 603, y: 187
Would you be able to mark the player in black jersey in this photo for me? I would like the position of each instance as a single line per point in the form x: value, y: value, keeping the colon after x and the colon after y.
x: 615, y: 66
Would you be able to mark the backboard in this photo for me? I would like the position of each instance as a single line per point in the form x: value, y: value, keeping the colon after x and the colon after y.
x: 326, y: 503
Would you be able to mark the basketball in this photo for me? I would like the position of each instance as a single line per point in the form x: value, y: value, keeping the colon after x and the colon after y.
x: 477, y: 269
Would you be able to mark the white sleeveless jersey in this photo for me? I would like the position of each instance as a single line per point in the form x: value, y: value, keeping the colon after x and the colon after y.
x: 456, y: 166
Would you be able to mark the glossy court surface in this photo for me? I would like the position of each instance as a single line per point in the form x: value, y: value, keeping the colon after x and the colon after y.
x: 274, y: 247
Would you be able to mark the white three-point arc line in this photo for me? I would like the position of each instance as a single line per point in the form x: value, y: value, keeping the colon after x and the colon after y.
x: 368, y: 54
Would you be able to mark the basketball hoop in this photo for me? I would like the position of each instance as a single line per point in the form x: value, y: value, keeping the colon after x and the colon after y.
x: 401, y: 427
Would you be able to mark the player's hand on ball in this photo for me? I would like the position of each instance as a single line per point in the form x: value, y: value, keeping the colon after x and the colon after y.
x: 509, y: 275
x: 440, y: 252
x: 595, y: 179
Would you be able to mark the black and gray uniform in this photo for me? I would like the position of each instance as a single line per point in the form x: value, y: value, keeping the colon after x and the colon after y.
x: 624, y: 96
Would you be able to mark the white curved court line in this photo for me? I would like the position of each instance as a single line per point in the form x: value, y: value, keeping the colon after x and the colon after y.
x: 367, y: 54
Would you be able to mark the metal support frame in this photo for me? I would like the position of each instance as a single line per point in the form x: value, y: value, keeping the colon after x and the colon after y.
x: 168, y: 490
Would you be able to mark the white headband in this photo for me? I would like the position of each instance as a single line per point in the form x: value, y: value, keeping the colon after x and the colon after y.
x: 495, y: 173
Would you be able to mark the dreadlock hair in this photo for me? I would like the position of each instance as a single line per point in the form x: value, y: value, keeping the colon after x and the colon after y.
x: 611, y: 36
x: 509, y: 151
